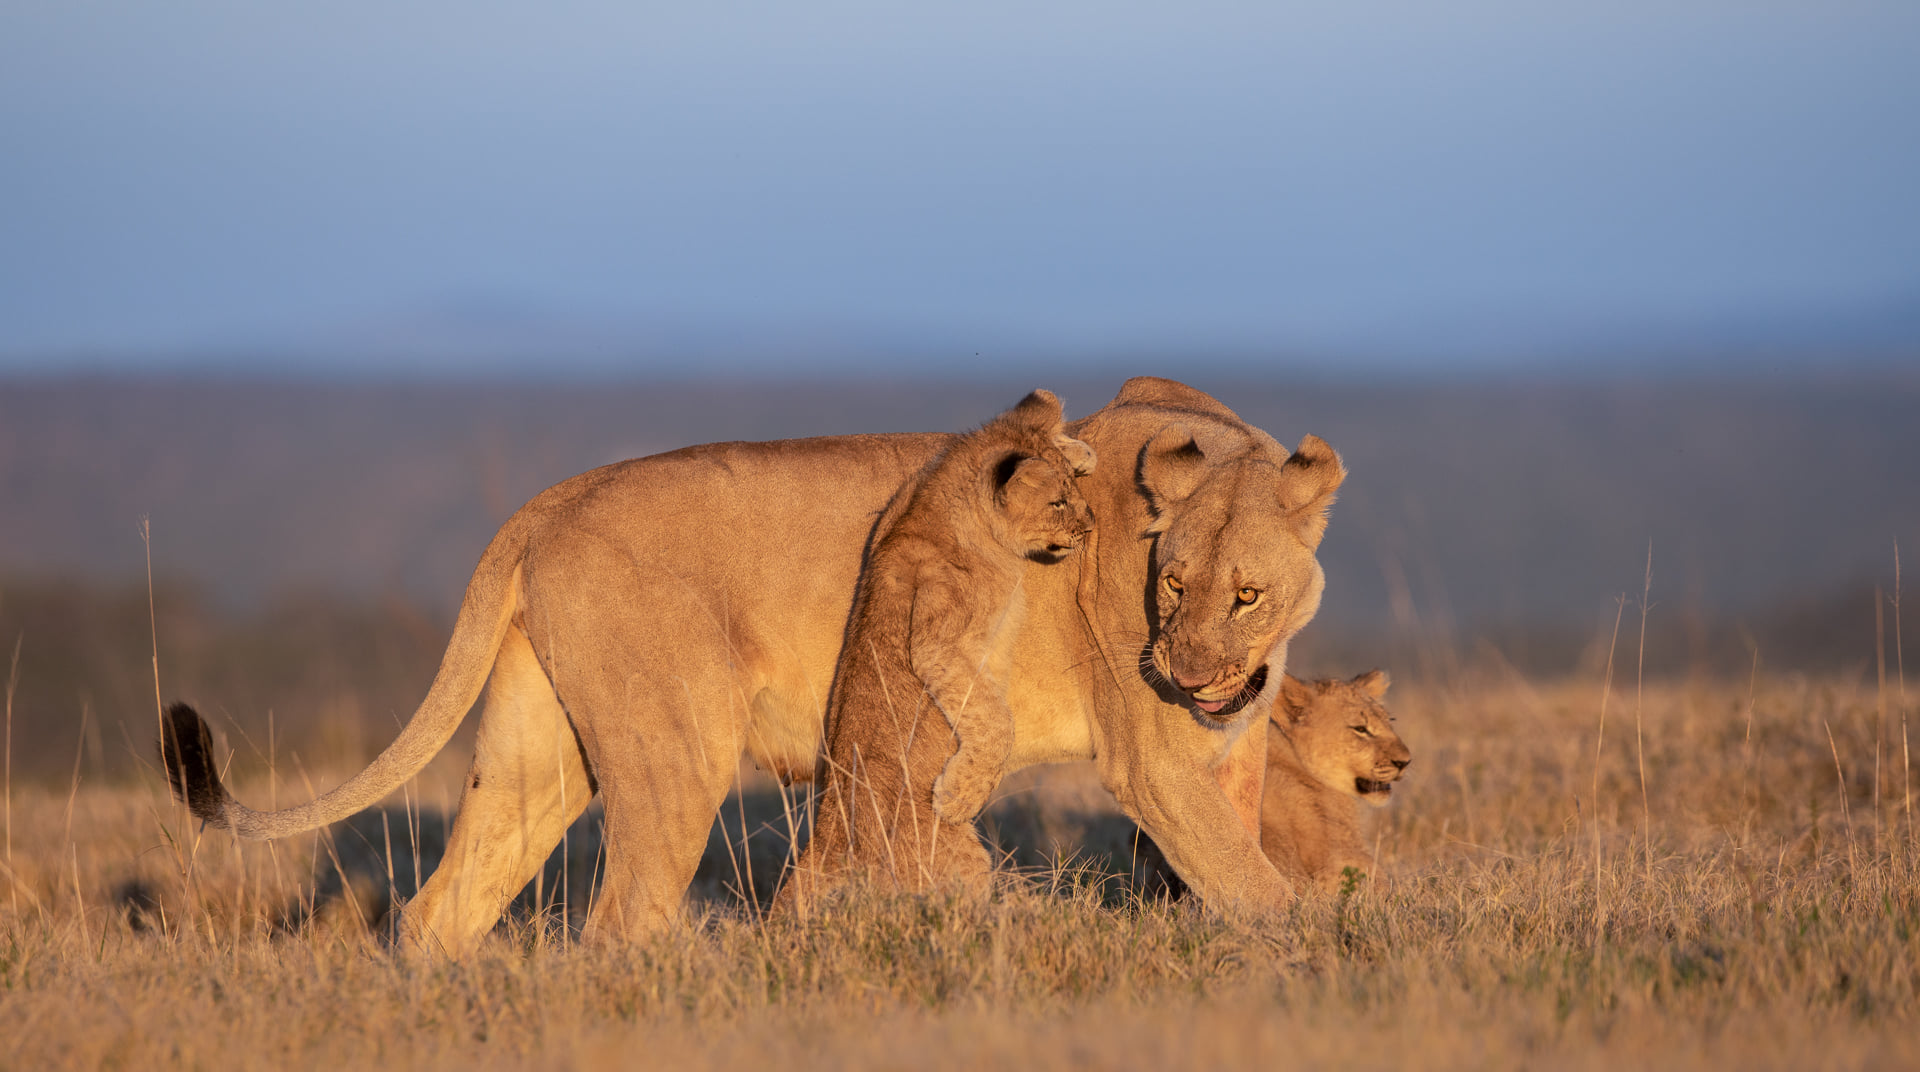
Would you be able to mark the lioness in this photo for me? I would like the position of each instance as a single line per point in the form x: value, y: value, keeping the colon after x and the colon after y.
x: 938, y: 607
x: 640, y: 625
x: 1330, y: 746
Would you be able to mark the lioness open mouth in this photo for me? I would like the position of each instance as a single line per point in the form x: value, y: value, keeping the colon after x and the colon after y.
x: 1230, y: 705
x: 1368, y: 787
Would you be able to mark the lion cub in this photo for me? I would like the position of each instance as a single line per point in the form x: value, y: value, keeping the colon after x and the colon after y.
x: 941, y: 597
x: 1330, y: 746
x: 933, y: 624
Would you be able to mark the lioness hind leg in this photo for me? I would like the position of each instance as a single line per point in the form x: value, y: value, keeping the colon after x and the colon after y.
x: 665, y: 764
x: 527, y: 784
x: 656, y: 834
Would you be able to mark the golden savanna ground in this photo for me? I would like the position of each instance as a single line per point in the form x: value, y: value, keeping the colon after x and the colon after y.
x: 1771, y: 919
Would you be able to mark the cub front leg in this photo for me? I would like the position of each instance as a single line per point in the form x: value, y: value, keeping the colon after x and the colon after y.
x: 950, y: 655
x: 984, y: 724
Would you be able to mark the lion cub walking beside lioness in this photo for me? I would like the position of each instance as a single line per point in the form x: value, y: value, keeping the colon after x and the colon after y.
x: 933, y: 624
x: 1330, y: 747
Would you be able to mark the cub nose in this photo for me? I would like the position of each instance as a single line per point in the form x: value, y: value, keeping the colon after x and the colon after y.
x: 1401, y: 764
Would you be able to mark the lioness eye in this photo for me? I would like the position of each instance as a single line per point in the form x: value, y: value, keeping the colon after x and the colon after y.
x: 1172, y: 585
x: 1249, y: 596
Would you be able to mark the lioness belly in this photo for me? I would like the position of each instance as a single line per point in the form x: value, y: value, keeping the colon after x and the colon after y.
x: 783, y: 737
x: 1045, y: 683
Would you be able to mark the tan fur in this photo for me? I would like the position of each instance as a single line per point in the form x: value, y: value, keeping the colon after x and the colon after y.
x: 939, y: 605
x: 645, y: 623
x: 1310, y: 818
x: 1331, y: 747
x: 1225, y: 599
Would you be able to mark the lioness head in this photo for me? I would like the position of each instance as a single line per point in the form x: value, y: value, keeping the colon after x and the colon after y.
x: 1343, y: 734
x: 1034, y: 479
x: 1234, y: 577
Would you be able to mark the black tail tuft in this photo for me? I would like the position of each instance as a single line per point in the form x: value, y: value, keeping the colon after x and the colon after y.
x: 186, y: 750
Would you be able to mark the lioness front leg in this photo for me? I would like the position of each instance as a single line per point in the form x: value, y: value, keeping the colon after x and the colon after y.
x: 1198, y: 826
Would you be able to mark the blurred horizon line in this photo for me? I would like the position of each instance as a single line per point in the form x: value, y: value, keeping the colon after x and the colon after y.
x: 495, y: 340
x: 1810, y: 364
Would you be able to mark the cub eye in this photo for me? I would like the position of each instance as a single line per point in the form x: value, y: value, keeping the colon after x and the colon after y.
x: 1362, y: 731
x: 1249, y: 596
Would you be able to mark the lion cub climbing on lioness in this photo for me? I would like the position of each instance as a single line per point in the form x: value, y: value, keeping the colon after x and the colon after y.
x: 941, y: 594
x: 938, y: 607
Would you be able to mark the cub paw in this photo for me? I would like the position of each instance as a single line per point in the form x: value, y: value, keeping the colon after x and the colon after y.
x: 955, y: 804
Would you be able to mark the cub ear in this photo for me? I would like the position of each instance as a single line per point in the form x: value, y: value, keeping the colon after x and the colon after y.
x: 1013, y: 469
x: 1296, y: 697
x: 1172, y: 466
x: 1308, y: 482
x: 1374, y: 682
x: 1040, y: 409
x: 1002, y: 474
x: 1079, y: 455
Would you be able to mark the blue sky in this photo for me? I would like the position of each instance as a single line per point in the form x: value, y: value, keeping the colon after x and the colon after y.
x: 1424, y: 182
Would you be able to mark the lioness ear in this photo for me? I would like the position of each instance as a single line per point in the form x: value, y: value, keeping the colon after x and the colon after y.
x: 1296, y: 696
x: 1374, y: 682
x: 1171, y: 466
x: 1308, y: 482
x: 1078, y: 454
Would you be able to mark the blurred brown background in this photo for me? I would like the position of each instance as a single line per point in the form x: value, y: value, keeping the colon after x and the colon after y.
x: 310, y: 540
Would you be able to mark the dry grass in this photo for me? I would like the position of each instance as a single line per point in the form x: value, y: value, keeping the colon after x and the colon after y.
x: 1772, y: 919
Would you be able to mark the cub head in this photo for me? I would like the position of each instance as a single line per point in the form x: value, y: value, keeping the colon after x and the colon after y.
x: 1234, y: 575
x: 1343, y: 734
x: 1034, y: 479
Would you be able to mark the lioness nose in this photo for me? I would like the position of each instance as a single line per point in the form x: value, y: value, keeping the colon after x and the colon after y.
x: 1189, y: 684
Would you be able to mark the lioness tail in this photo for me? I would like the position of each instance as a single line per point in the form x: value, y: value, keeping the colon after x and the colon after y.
x: 186, y: 747
x: 186, y: 751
